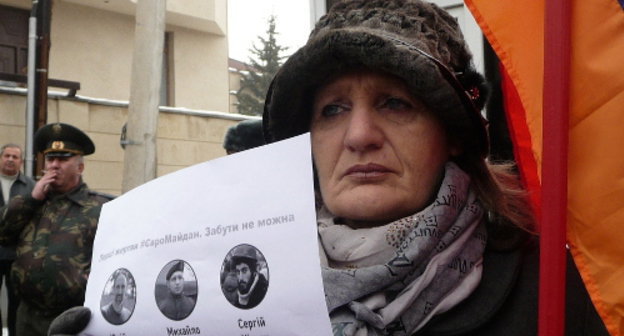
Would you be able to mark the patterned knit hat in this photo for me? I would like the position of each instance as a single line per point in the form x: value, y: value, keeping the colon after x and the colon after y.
x: 412, y: 39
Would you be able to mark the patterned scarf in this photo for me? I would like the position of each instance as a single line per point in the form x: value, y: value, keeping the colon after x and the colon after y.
x: 392, y: 279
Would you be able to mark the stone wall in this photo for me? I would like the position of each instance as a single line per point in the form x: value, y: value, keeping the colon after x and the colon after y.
x: 185, y: 137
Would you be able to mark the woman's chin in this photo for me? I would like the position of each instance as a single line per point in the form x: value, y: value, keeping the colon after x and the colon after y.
x: 367, y: 215
x: 373, y: 206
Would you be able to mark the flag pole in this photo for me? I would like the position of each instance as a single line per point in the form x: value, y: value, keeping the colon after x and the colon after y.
x: 554, y: 167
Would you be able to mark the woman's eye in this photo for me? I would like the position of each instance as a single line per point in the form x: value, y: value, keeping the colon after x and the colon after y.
x: 331, y: 110
x: 396, y: 104
x: 399, y: 109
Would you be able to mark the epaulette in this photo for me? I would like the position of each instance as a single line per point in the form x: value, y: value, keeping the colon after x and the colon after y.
x: 109, y: 197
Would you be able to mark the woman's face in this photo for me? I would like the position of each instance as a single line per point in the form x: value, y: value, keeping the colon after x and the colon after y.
x: 379, y: 152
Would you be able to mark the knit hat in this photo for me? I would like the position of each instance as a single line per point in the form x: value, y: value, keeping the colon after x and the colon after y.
x: 412, y: 39
x: 246, y: 134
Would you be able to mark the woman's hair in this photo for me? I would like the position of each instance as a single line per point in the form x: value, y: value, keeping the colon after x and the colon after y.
x: 500, y: 189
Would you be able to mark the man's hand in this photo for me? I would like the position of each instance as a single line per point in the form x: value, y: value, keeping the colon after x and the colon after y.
x: 42, y: 187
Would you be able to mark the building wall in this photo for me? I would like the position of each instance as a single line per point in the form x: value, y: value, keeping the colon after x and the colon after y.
x: 201, y: 70
x: 99, y: 57
x: 184, y: 137
x: 92, y: 43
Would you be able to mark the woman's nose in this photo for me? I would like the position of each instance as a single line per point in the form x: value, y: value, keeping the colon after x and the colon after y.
x: 363, y: 130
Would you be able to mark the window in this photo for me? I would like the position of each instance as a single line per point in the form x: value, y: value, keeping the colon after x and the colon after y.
x: 166, y: 84
x: 13, y: 40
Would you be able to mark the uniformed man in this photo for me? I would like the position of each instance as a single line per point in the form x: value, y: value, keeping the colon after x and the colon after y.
x: 176, y: 305
x: 53, y: 228
x: 13, y: 183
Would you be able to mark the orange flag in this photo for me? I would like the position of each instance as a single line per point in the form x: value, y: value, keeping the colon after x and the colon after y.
x: 515, y: 29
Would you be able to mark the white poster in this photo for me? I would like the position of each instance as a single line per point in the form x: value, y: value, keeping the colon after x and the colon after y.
x: 225, y: 247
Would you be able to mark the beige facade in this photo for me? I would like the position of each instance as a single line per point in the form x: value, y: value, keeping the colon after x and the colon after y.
x: 236, y: 69
x: 185, y: 137
x: 92, y: 43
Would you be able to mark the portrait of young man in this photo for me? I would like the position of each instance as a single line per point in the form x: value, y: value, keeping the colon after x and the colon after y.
x: 119, y: 299
x: 248, y: 272
x: 176, y: 290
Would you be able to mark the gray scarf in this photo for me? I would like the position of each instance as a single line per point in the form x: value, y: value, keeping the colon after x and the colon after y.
x: 390, y: 280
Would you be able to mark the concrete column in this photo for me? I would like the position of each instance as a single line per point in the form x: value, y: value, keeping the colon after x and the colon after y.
x: 140, y: 153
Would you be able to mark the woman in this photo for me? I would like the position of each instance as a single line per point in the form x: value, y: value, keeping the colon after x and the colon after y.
x: 419, y: 233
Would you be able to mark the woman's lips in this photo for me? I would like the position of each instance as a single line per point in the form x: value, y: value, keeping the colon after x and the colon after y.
x: 367, y: 171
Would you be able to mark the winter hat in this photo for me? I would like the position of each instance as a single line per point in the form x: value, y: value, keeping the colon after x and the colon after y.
x: 246, y: 134
x: 244, y: 253
x: 414, y: 40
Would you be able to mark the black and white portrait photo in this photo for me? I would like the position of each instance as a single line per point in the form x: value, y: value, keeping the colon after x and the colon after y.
x: 244, y: 276
x: 119, y: 297
x: 176, y: 290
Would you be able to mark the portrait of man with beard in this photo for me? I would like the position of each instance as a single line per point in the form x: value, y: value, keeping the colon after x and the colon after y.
x: 121, y: 295
x: 247, y: 269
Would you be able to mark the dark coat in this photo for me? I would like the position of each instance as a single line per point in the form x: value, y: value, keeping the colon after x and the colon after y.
x: 114, y: 317
x: 506, y: 300
x: 23, y: 185
x: 257, y: 295
x: 176, y: 307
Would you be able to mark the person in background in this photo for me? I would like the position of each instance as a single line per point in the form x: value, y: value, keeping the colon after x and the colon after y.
x: 419, y: 233
x: 53, y: 228
x: 245, y: 135
x: 13, y: 183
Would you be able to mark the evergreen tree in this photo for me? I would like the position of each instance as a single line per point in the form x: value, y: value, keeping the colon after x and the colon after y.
x: 264, y: 64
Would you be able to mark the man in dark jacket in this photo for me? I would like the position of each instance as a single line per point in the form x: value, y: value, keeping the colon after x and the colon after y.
x: 13, y: 183
x: 176, y: 305
x: 53, y: 227
x: 252, y: 285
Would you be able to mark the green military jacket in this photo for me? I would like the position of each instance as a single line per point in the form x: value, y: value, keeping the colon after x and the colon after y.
x: 54, y: 245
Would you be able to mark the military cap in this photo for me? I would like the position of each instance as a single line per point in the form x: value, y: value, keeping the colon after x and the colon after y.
x: 177, y: 267
x: 59, y: 139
